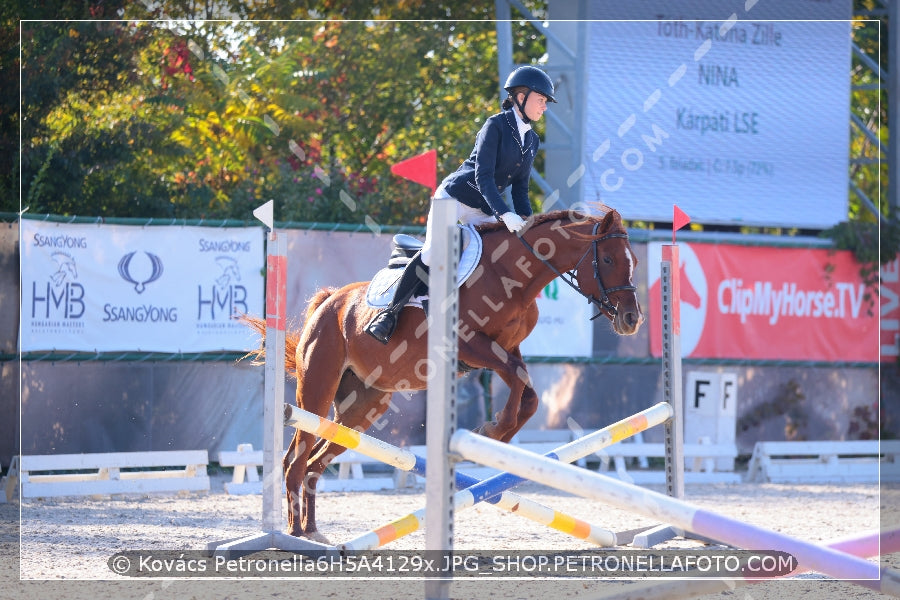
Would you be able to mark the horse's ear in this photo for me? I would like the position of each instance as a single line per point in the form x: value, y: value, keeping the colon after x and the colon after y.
x: 611, y: 219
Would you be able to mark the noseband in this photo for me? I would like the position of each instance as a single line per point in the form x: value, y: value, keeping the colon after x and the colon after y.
x: 603, y: 303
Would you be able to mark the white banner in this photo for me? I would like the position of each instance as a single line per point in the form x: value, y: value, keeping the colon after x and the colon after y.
x: 735, y: 116
x: 564, y: 327
x: 103, y: 288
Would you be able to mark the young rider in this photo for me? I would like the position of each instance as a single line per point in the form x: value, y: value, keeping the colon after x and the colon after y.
x: 504, y: 151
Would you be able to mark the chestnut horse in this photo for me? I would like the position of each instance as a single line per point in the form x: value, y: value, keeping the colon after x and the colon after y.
x: 337, y: 362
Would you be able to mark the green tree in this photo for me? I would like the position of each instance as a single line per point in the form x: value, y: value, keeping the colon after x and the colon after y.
x: 69, y: 67
x: 208, y: 119
x: 863, y: 230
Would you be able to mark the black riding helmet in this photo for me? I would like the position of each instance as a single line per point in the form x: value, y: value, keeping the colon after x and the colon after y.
x: 532, y: 78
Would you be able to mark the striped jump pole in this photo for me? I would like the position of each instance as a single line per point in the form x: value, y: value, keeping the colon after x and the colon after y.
x: 408, y: 461
x: 493, y: 489
x: 652, y: 504
x: 864, y: 545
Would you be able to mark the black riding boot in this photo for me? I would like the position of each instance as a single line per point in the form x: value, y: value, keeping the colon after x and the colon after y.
x: 382, y: 326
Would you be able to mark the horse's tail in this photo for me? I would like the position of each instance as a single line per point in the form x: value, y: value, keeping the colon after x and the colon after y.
x: 291, y: 338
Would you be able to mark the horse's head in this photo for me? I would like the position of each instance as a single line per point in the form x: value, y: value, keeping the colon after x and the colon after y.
x: 607, y: 279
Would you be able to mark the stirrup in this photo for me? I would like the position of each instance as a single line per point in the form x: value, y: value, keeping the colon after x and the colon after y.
x: 382, y: 326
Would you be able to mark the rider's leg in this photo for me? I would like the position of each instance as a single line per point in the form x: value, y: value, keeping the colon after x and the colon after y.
x: 384, y: 323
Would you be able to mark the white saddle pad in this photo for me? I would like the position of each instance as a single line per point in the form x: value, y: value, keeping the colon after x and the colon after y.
x: 381, y: 289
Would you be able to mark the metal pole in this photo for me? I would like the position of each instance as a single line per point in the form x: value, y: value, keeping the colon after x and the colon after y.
x: 504, y: 43
x: 271, y: 536
x: 893, y: 96
x: 670, y: 288
x: 672, y: 384
x: 440, y: 421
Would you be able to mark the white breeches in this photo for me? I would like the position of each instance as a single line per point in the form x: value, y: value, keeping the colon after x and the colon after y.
x: 464, y: 214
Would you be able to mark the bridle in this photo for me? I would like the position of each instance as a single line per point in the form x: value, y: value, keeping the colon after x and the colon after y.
x: 603, y: 303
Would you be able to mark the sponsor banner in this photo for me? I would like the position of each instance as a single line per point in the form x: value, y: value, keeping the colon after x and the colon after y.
x: 93, y: 287
x: 768, y: 303
x: 564, y: 327
x: 890, y: 311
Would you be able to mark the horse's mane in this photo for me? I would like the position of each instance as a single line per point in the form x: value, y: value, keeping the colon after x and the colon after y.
x: 573, y: 216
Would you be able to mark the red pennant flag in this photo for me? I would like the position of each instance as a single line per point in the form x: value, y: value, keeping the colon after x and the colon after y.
x: 679, y: 220
x: 420, y: 169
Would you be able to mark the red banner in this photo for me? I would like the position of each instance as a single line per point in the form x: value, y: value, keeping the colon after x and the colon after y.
x: 770, y: 303
x: 890, y: 311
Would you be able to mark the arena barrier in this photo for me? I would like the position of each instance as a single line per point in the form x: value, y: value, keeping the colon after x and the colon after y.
x: 493, y: 489
x: 652, y: 504
x: 46, y: 475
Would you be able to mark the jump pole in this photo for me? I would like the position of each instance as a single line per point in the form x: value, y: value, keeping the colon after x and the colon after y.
x: 271, y: 536
x: 493, y: 489
x: 864, y: 545
x: 652, y: 504
x: 408, y: 461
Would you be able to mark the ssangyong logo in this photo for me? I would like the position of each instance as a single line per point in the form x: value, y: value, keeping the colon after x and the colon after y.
x: 139, y: 280
x: 140, y: 270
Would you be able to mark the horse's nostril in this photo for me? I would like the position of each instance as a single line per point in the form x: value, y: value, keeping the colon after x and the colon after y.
x: 631, y: 319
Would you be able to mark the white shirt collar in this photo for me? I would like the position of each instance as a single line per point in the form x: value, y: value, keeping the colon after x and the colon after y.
x: 523, y: 126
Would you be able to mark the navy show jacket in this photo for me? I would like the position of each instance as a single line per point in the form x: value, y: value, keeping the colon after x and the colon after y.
x: 498, y: 160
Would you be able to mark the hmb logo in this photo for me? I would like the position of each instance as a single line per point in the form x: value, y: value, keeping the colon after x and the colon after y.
x: 226, y: 295
x: 62, y: 297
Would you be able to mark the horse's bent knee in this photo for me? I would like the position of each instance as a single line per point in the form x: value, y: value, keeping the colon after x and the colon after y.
x: 529, y: 407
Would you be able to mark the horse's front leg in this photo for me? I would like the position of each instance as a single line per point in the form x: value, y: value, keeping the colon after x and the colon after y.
x: 514, y: 415
x: 481, y: 351
x: 528, y: 403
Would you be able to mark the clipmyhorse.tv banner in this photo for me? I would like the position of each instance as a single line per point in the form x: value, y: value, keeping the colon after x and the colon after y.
x: 102, y: 288
x: 769, y: 303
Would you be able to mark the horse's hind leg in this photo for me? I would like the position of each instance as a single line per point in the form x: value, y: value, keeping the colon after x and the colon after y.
x: 357, y: 407
x: 294, y: 463
x: 314, y: 394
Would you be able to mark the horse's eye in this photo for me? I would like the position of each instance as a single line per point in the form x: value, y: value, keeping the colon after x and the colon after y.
x: 607, y: 260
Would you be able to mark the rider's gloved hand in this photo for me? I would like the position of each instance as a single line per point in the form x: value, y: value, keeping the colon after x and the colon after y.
x: 513, y: 222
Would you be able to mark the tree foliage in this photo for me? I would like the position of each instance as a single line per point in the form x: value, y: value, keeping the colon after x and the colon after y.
x: 171, y: 113
x: 191, y: 118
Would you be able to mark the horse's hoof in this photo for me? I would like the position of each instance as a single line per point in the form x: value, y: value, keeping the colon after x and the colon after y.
x: 487, y: 430
x: 315, y: 536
